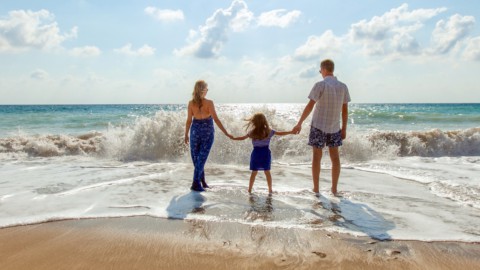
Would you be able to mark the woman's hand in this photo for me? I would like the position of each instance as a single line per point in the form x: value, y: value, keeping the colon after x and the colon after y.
x: 187, y: 140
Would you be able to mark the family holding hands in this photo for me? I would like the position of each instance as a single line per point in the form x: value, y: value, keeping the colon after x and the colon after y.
x: 328, y: 99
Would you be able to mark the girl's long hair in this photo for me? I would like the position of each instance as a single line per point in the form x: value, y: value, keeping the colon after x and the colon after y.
x: 260, y: 128
x: 200, y: 85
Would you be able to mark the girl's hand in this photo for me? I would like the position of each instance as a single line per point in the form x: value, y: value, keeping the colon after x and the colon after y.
x: 296, y: 129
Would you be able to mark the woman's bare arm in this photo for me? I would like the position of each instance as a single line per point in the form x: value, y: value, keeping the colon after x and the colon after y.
x: 240, y: 138
x: 188, y: 123
x: 215, y: 118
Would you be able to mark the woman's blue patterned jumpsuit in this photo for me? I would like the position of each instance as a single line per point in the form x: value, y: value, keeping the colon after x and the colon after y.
x: 201, y: 141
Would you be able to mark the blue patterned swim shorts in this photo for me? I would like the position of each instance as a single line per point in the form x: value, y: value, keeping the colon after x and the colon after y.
x: 319, y: 138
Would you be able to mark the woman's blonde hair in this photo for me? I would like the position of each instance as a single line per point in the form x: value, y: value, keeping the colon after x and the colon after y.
x: 260, y: 129
x: 200, y: 85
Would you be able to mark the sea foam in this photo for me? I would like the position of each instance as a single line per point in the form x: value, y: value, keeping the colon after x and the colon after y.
x: 161, y: 138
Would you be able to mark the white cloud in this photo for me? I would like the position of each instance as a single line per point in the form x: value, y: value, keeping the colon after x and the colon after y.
x: 309, y: 72
x: 165, y: 15
x: 404, y: 43
x: 210, y: 38
x: 23, y: 30
x: 317, y: 46
x: 448, y: 33
x: 393, y: 35
x: 86, y: 51
x: 242, y: 20
x: 39, y: 74
x: 145, y: 50
x: 392, y: 32
x: 278, y: 17
x: 472, y: 50
x: 379, y: 28
x: 214, y: 34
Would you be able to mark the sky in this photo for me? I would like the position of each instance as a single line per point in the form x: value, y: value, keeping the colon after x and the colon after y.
x: 259, y: 51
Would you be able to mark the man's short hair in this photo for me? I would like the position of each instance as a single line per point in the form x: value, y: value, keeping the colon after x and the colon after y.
x: 328, y: 65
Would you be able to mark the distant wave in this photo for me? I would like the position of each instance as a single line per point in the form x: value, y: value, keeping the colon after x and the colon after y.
x: 52, y: 145
x: 418, y: 113
x: 433, y: 143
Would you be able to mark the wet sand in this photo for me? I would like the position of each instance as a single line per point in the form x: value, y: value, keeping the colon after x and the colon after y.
x: 154, y: 243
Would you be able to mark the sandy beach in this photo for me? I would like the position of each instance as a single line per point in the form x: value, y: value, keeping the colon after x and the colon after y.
x: 155, y: 243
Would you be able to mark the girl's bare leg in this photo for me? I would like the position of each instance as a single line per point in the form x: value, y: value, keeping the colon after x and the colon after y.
x: 269, y: 181
x: 252, y: 180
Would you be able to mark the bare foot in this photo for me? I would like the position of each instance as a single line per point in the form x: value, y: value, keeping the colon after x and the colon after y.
x: 337, y: 193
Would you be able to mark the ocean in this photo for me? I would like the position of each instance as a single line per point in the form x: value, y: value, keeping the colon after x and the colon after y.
x: 409, y: 171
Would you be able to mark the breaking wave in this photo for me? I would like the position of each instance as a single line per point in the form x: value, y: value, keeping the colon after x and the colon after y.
x: 161, y: 138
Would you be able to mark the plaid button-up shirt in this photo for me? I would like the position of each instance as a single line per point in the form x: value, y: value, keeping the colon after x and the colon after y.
x: 329, y: 95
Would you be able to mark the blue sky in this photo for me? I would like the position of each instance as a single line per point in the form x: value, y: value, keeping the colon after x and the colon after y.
x: 85, y: 51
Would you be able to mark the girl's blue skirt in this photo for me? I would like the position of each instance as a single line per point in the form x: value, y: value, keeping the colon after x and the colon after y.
x: 261, y: 159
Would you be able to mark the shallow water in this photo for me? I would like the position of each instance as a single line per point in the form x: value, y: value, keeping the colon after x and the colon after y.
x: 404, y: 181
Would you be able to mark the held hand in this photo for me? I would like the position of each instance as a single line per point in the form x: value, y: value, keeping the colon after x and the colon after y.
x: 296, y: 129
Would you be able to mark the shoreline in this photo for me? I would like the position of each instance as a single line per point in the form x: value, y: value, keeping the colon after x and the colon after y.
x: 154, y: 243
x: 161, y: 219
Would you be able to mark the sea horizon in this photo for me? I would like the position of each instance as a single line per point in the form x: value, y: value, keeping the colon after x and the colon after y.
x: 186, y: 102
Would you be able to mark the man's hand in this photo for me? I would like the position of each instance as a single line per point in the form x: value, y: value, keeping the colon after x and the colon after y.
x: 344, y: 133
x: 296, y: 129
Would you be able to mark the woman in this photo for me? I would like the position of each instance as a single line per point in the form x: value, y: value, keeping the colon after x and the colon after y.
x: 201, y: 114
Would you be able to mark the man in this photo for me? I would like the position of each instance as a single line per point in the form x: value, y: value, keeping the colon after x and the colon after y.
x: 330, y: 98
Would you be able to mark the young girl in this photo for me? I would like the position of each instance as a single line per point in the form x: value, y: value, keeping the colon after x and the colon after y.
x: 261, y: 158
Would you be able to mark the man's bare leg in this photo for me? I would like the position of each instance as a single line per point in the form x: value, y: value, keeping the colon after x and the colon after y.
x: 316, y: 159
x: 335, y: 158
